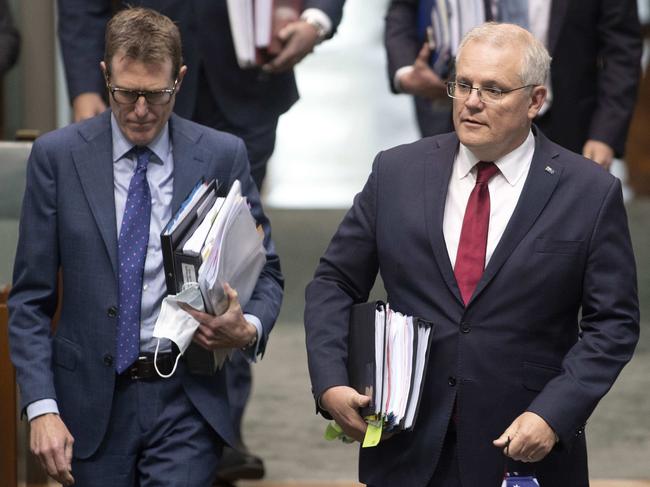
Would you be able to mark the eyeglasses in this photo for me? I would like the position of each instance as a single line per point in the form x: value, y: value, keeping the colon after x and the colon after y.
x: 461, y: 91
x: 128, y: 97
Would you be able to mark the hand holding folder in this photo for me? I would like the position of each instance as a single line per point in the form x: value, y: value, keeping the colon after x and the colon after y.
x: 387, y: 360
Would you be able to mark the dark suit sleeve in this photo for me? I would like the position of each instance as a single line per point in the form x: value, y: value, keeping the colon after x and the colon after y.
x: 33, y: 297
x: 267, y: 296
x: 82, y: 24
x: 345, y: 275
x: 400, y: 36
x: 609, y: 327
x: 619, y: 35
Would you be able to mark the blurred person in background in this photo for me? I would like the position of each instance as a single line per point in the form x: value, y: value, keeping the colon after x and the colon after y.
x: 9, y: 39
x: 596, y: 50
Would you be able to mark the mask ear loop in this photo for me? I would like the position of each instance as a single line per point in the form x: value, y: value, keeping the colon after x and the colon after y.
x: 155, y: 363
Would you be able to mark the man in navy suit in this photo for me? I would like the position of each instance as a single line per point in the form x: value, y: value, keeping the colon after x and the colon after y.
x: 217, y: 93
x: 97, y: 418
x: 596, y: 48
x: 517, y: 251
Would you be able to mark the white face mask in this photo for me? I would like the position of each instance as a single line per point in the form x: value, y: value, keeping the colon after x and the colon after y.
x: 175, y: 324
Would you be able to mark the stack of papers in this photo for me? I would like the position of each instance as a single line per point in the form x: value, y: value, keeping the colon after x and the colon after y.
x: 387, y: 358
x: 233, y: 253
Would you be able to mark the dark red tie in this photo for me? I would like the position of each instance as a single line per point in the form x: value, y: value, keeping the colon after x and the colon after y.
x: 470, y: 258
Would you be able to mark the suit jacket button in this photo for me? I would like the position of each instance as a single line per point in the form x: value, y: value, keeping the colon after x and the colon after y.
x: 112, y: 312
x: 108, y: 360
x: 465, y: 327
x: 451, y: 381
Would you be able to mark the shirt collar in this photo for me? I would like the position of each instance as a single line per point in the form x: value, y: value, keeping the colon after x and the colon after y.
x: 512, y: 166
x: 121, y: 145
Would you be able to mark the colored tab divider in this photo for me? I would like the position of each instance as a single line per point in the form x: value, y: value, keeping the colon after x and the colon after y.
x: 373, y: 434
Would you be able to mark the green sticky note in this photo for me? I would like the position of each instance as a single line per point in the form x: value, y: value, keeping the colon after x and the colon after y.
x: 373, y: 435
x: 333, y: 431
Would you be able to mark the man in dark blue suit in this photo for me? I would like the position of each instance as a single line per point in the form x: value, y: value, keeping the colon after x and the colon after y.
x: 100, y: 415
x: 216, y: 92
x: 517, y: 251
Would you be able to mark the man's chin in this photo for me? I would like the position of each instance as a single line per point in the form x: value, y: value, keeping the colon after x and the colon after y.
x: 140, y: 137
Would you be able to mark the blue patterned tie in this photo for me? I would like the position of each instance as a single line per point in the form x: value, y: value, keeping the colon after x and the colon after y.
x: 132, y: 250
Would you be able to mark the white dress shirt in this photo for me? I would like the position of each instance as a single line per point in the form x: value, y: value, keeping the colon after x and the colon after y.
x: 505, y: 188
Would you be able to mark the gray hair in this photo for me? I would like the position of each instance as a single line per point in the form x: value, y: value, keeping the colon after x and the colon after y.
x: 536, y: 60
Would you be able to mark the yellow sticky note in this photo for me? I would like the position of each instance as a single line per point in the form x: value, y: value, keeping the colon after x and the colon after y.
x: 373, y: 435
x: 333, y: 431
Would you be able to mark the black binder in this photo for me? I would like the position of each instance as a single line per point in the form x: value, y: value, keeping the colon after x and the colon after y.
x: 362, y: 369
x: 198, y: 360
x: 169, y: 242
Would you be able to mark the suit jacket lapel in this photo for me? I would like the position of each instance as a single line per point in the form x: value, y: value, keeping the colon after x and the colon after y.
x: 544, y: 174
x: 556, y: 22
x: 190, y: 161
x: 437, y: 172
x: 93, y: 162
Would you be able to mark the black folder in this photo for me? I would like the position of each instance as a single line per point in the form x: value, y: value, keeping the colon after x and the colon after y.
x: 170, y: 241
x: 362, y: 369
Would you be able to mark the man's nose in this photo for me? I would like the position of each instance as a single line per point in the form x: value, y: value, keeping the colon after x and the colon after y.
x: 473, y: 99
x: 141, y: 106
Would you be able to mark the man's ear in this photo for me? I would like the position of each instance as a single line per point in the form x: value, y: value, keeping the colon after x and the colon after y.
x: 537, y: 99
x: 181, y: 75
x: 102, y: 66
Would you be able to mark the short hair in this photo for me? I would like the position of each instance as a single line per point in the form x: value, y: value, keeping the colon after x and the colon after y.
x: 143, y: 35
x: 536, y: 61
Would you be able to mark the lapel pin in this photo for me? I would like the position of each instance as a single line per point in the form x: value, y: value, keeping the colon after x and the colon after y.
x: 549, y: 170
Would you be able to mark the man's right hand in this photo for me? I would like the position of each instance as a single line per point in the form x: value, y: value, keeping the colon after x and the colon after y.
x: 51, y: 442
x: 87, y: 105
x: 343, y: 403
x: 422, y: 80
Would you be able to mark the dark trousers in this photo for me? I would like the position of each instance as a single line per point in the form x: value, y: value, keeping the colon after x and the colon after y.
x: 447, y: 473
x: 155, y: 437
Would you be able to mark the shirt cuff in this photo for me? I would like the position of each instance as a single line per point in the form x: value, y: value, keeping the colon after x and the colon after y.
x: 320, y: 20
x: 251, y: 352
x: 41, y: 407
x: 398, y: 75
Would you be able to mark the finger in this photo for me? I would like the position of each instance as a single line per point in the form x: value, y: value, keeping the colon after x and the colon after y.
x: 283, y: 61
x: 424, y: 54
x: 61, y: 461
x: 68, y: 453
x: 230, y: 292
x: 362, y: 401
x: 286, y: 32
x: 47, y: 458
x: 506, y: 436
x: 198, y: 315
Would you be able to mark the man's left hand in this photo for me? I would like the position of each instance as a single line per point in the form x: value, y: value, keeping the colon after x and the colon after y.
x: 298, y: 39
x: 600, y: 152
x: 531, y: 438
x: 229, y: 330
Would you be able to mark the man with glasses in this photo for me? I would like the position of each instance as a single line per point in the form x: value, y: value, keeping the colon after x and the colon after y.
x: 98, y: 194
x: 517, y: 251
